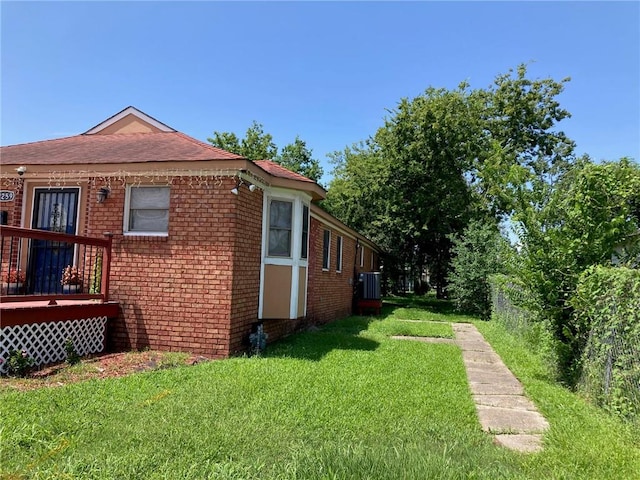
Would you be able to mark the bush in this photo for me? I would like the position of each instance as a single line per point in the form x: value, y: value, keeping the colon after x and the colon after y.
x: 19, y: 363
x: 72, y: 355
x: 477, y: 255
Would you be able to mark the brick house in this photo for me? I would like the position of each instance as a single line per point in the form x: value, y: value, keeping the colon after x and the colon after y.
x: 206, y: 244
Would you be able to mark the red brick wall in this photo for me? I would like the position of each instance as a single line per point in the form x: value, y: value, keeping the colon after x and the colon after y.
x: 14, y: 208
x: 246, y: 268
x: 175, y: 292
x: 14, y: 212
x: 330, y: 293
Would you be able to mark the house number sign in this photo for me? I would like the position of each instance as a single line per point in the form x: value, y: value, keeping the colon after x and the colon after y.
x: 7, y: 195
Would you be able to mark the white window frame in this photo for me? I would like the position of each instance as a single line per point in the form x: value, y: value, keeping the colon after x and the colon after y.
x: 361, y: 256
x: 295, y: 262
x: 291, y: 230
x: 339, y: 243
x: 328, y: 262
x: 305, y: 245
x: 127, y: 211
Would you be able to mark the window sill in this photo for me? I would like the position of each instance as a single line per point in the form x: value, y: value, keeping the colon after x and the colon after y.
x: 154, y: 238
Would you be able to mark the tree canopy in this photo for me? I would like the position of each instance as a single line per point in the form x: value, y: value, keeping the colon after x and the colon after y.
x: 259, y: 145
x: 446, y: 157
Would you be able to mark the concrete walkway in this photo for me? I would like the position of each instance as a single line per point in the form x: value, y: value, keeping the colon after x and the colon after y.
x: 502, y: 407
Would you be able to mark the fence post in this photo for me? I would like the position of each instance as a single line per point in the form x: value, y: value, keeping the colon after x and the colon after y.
x: 609, y: 365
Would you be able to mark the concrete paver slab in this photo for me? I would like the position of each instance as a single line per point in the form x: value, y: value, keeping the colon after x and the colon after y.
x: 510, y: 420
x: 450, y: 341
x: 499, y: 396
x: 470, y: 356
x: 495, y: 389
x: 505, y: 401
x: 526, y: 443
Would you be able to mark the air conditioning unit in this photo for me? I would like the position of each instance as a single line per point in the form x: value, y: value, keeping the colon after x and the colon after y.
x: 369, y: 286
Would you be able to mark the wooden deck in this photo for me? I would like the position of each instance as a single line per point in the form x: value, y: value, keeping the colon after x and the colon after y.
x: 36, y: 311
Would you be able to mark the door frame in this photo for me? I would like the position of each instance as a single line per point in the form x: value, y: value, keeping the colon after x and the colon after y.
x: 29, y: 219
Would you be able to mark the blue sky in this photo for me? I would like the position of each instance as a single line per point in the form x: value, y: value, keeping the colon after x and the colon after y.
x: 327, y: 71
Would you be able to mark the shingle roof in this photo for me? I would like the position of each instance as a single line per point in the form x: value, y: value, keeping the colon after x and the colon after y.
x: 278, y: 170
x: 122, y: 148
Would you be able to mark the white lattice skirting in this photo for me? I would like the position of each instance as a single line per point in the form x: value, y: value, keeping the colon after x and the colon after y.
x: 44, y: 342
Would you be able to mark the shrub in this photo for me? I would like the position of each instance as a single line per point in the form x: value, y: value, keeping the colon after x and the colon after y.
x: 73, y: 357
x: 19, y: 363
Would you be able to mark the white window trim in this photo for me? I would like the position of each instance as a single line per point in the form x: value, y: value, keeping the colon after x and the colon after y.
x: 308, y: 230
x: 127, y: 203
x: 339, y: 252
x: 328, y: 267
x: 361, y: 256
x: 295, y: 262
x: 293, y: 221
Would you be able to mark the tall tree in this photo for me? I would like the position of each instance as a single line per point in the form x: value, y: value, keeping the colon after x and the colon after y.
x: 526, y: 152
x: 258, y: 145
x: 297, y: 157
x: 227, y: 141
x: 255, y: 145
x: 448, y: 156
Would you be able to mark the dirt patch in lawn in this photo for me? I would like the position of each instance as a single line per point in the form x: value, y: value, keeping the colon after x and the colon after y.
x: 97, y: 366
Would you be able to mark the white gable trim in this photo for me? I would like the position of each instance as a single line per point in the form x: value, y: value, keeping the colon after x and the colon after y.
x: 129, y: 111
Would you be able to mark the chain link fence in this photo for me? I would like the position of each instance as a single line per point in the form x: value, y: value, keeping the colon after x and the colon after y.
x: 611, y: 367
x: 505, y: 298
x: 611, y: 361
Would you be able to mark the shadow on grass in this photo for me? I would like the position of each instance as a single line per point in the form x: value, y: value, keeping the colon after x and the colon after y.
x: 316, y: 343
x: 426, y: 302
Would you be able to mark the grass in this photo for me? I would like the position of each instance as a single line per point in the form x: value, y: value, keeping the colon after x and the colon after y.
x: 103, y: 366
x: 343, y: 402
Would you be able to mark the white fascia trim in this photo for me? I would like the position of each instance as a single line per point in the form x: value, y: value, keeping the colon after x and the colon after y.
x: 130, y: 111
x: 362, y: 240
x: 333, y: 226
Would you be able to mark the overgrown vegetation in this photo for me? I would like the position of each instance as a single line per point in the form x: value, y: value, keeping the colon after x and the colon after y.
x: 344, y: 402
x: 590, y: 212
x: 607, y: 311
x: 19, y: 363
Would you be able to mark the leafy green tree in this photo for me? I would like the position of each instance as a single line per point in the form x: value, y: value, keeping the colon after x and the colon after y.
x: 448, y: 156
x: 429, y: 143
x: 227, y: 141
x: 255, y: 145
x: 258, y: 145
x: 525, y: 153
x: 477, y: 254
x: 297, y: 157
x: 590, y: 212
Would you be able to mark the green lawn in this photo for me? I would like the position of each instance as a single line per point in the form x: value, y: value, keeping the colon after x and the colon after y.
x: 343, y: 402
